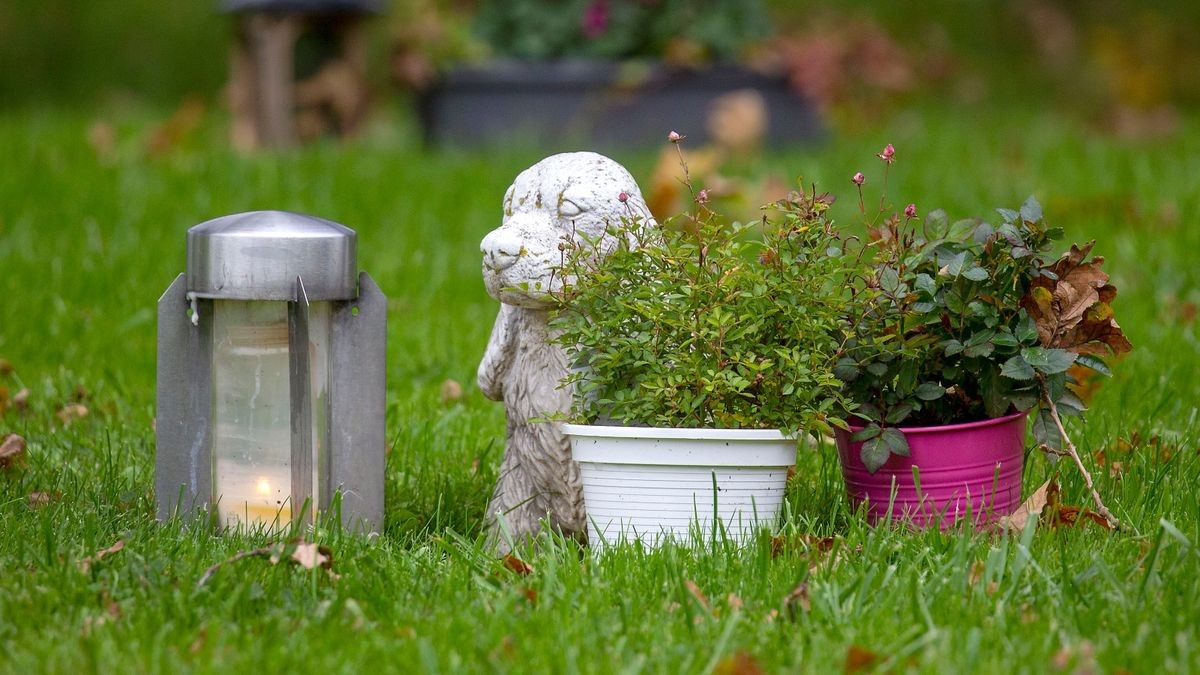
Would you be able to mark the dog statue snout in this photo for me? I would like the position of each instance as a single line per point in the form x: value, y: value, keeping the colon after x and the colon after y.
x: 501, y: 249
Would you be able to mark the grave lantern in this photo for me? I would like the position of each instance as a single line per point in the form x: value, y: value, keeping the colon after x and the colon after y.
x: 271, y: 375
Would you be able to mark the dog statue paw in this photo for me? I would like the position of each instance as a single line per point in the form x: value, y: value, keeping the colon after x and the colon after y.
x: 572, y: 196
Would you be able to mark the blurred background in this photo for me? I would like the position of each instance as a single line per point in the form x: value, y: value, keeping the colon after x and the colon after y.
x: 1125, y: 68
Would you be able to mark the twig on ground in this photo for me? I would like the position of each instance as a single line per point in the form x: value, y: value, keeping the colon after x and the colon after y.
x: 1087, y: 477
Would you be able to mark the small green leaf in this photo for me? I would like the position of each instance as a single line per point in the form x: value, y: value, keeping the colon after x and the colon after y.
x: 1027, y: 329
x: 975, y: 273
x: 1045, y: 432
x: 1017, y: 369
x: 1031, y: 210
x: 877, y: 369
x: 1048, y: 361
x: 1005, y: 339
x: 1094, y: 362
x: 874, y: 454
x: 889, y: 279
x: 925, y: 283
x: 898, y: 413
x: 930, y: 391
x: 952, y: 347
x: 895, y: 441
x: 866, y: 433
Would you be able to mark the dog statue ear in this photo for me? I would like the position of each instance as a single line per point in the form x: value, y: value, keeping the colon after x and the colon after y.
x: 498, y: 357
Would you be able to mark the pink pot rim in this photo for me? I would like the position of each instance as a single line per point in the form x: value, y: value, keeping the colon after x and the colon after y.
x: 994, y: 421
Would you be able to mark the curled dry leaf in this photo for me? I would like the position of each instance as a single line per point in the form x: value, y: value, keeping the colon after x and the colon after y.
x: 6, y: 368
x: 1074, y: 311
x: 12, y: 451
x: 71, y: 412
x: 514, y: 564
x: 1030, y: 508
x: 85, y: 565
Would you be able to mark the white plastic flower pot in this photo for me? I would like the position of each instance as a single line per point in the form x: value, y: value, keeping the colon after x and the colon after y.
x: 646, y: 484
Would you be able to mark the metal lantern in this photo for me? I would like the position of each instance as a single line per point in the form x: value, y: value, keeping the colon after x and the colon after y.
x: 271, y: 352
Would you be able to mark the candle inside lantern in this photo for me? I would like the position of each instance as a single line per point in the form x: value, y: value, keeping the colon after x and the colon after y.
x: 252, y: 436
x: 252, y: 423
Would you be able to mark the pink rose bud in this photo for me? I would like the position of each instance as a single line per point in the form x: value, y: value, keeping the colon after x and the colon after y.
x: 674, y: 137
x: 623, y: 197
x: 888, y: 155
x: 702, y: 197
x: 910, y: 211
x: 858, y: 178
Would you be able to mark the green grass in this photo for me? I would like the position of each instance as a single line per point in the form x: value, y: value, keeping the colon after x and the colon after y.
x: 87, y: 245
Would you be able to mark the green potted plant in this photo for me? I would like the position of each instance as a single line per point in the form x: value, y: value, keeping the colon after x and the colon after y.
x: 702, y: 349
x: 957, y: 332
x: 607, y: 71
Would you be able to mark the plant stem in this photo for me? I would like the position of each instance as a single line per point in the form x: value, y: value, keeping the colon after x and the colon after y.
x: 1087, y: 477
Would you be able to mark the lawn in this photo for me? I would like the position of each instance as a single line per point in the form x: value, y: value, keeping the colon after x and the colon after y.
x: 91, y: 232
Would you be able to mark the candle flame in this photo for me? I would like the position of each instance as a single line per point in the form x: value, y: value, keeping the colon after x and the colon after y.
x: 264, y: 487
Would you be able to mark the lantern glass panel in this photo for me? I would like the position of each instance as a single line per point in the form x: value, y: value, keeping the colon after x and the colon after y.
x: 252, y: 416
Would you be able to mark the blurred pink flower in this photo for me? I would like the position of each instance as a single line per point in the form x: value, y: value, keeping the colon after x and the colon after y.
x: 702, y: 197
x: 910, y: 211
x: 623, y: 197
x: 674, y: 137
x: 858, y: 178
x: 595, y: 19
x: 888, y: 155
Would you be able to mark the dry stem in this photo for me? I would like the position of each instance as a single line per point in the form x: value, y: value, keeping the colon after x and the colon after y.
x: 1087, y: 477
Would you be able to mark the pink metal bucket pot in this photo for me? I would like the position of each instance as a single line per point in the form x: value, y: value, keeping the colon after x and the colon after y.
x: 973, y: 468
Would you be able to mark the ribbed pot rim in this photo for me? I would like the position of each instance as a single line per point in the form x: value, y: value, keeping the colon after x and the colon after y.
x: 963, y: 426
x: 685, y: 433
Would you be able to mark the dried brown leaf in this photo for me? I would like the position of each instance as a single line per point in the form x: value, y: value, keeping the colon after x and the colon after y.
x: 1073, y: 312
x: 514, y: 564
x: 6, y: 368
x: 452, y: 392
x: 20, y: 400
x: 71, y: 412
x: 12, y: 451
x: 1031, y: 508
x: 738, y: 663
x: 859, y: 659
x: 85, y: 565
x: 309, y: 555
x: 37, y: 499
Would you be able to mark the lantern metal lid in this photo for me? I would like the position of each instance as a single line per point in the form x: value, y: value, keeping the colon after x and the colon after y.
x: 258, y: 256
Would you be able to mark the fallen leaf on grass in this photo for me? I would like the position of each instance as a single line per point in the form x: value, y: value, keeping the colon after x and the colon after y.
x: 20, y: 400
x: 71, y: 412
x: 781, y: 544
x: 859, y: 659
x: 797, y: 601
x: 305, y: 554
x: 12, y: 451
x: 452, y: 392
x: 42, y: 498
x: 198, y: 643
x: 1030, y: 508
x: 738, y: 663
x: 1045, y: 506
x: 514, y: 564
x: 6, y: 368
x: 85, y: 565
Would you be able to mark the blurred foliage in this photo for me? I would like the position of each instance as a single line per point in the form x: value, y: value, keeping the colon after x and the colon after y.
x: 548, y: 29
x: 1126, y: 67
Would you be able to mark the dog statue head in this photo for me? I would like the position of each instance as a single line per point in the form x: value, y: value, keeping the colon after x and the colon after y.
x: 572, y: 196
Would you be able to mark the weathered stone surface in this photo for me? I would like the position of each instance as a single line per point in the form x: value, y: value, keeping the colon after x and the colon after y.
x: 563, y: 197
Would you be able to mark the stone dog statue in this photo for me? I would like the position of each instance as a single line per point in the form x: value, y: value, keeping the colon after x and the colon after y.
x: 571, y: 195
